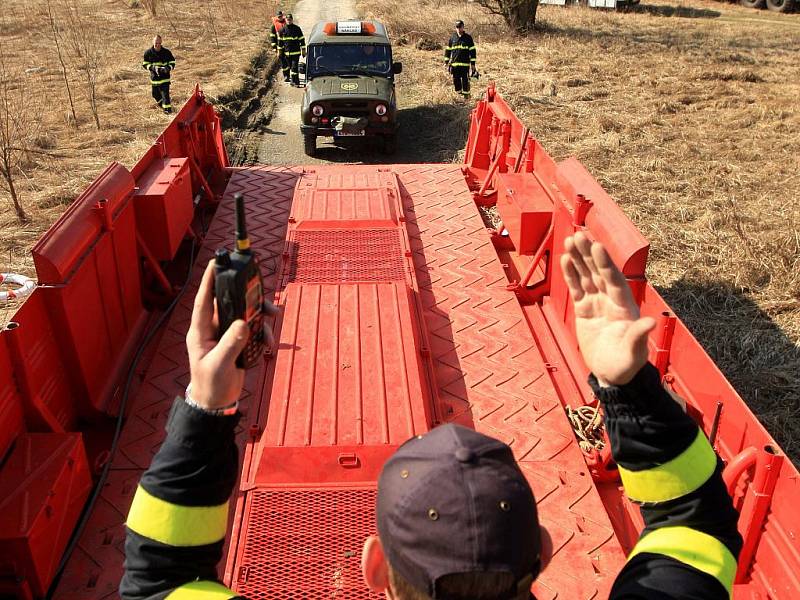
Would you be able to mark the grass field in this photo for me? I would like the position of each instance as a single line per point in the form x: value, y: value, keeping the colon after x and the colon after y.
x: 689, y: 115
x: 213, y: 42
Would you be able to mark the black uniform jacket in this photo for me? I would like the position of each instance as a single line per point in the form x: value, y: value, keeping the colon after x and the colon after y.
x: 291, y: 40
x: 160, y: 64
x: 273, y: 34
x: 460, y: 51
x: 688, y: 549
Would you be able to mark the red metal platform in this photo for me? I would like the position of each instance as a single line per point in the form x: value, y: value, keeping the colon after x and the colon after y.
x: 486, y: 366
x: 400, y: 311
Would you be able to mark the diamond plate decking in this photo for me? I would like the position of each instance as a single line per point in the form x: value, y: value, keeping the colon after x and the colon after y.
x: 487, y: 369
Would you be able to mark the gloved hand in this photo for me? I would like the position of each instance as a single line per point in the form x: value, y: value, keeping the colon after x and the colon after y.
x: 473, y: 72
x: 449, y: 67
x: 303, y: 52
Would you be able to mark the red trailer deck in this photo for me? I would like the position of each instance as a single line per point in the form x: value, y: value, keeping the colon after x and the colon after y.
x: 400, y: 310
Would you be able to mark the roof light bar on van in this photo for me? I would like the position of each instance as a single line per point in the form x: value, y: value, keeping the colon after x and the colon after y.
x: 349, y: 27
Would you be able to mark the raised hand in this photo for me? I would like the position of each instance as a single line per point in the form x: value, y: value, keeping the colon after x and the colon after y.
x: 611, y: 335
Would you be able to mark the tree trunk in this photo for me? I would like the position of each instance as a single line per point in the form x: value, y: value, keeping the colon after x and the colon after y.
x: 521, y: 14
x: 22, y: 216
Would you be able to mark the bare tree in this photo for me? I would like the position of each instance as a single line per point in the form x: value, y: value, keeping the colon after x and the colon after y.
x: 519, y: 14
x: 19, y: 126
x: 168, y: 15
x: 55, y: 31
x: 86, y: 48
x: 210, y: 21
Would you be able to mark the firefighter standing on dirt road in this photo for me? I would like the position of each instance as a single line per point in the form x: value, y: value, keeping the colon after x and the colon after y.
x: 460, y: 57
x: 292, y: 43
x: 278, y: 23
x: 160, y: 62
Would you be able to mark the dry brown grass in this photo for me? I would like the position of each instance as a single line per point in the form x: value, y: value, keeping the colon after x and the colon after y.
x: 689, y: 115
x: 212, y: 46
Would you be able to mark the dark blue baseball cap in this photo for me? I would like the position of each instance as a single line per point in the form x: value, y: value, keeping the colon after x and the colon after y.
x: 455, y: 501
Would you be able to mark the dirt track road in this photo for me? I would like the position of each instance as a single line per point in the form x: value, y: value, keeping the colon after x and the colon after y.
x: 426, y: 133
x: 282, y: 143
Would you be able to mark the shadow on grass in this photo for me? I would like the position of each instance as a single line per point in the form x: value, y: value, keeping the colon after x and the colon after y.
x: 427, y: 134
x: 666, y: 10
x: 756, y: 356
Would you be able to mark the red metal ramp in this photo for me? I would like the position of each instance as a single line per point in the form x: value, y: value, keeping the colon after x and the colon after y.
x: 344, y: 310
x: 486, y: 371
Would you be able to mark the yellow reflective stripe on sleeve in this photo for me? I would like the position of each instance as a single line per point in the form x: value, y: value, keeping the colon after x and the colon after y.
x: 674, y: 479
x: 691, y: 547
x: 201, y: 590
x: 159, y: 82
x: 176, y: 525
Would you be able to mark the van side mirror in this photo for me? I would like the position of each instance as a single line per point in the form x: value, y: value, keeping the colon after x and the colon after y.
x: 397, y: 68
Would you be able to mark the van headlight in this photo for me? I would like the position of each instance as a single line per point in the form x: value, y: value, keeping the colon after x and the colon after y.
x: 317, y: 110
x: 380, y: 110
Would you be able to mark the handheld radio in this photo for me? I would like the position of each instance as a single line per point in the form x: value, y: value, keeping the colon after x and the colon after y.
x: 239, y: 290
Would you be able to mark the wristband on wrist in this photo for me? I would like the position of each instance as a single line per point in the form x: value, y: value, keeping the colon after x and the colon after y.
x: 224, y: 411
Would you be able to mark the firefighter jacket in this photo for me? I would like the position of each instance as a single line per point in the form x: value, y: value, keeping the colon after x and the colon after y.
x: 160, y: 64
x: 460, y: 51
x: 291, y: 40
x: 277, y: 25
x: 688, y: 549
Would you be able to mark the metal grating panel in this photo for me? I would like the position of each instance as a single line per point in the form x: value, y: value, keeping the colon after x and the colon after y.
x: 346, y: 256
x: 305, y: 544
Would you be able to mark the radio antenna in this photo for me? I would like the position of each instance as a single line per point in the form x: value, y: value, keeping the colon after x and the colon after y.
x: 242, y: 240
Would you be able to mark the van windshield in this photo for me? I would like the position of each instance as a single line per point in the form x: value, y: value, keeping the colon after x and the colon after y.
x: 343, y: 59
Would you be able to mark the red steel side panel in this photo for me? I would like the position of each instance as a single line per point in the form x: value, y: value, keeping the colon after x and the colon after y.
x: 43, y: 486
x: 42, y: 375
x: 65, y: 245
x: 164, y: 207
x: 11, y: 424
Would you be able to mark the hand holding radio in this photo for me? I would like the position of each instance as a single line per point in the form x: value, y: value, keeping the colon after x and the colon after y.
x: 240, y: 291
x: 228, y: 331
x: 215, y: 380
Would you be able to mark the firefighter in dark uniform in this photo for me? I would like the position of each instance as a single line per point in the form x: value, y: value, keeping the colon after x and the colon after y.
x: 278, y: 23
x: 460, y: 57
x: 293, y: 43
x: 688, y: 549
x: 160, y: 62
